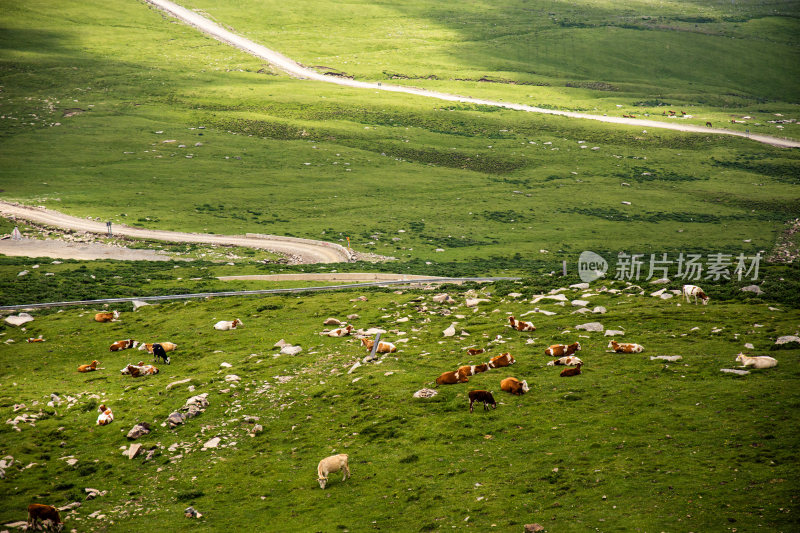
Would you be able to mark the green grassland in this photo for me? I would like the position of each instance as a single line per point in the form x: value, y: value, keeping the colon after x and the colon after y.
x: 629, y: 445
x: 400, y: 175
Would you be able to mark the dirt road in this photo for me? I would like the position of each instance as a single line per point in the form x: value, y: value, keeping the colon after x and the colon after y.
x: 298, y: 250
x: 287, y: 65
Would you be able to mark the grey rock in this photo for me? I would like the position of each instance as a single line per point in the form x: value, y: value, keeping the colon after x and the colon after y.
x: 591, y: 326
x: 142, y: 428
x: 753, y: 288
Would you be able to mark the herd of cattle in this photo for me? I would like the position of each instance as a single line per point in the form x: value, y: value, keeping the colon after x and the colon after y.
x: 564, y: 355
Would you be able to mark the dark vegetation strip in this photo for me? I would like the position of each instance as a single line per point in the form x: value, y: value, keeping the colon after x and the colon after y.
x: 247, y: 293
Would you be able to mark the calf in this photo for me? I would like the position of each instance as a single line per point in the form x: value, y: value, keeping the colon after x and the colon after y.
x: 451, y: 378
x: 88, y: 368
x: 475, y: 351
x: 383, y: 347
x: 38, y: 511
x: 225, y: 325
x: 331, y: 464
x: 482, y: 396
x: 697, y: 292
x: 514, y: 386
x: 124, y: 345
x: 520, y: 325
x: 558, y: 350
x: 569, y: 360
x: 761, y: 361
x: 567, y: 372
x: 159, y: 353
x: 105, y: 316
x: 625, y: 347
x: 36, y: 339
x: 505, y: 359
x: 105, y: 417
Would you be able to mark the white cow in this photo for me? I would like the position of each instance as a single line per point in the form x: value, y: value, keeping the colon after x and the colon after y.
x: 334, y: 463
x: 697, y: 292
x: 761, y: 361
x: 225, y: 325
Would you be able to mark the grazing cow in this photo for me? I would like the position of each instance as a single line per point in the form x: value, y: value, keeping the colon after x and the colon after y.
x: 38, y: 511
x: 558, y: 350
x: 761, y: 361
x: 37, y: 339
x: 159, y: 353
x: 383, y: 347
x: 697, y: 292
x: 625, y: 347
x: 88, y: 368
x: 471, y: 370
x: 504, y: 359
x: 475, y: 351
x: 514, y: 386
x: 225, y: 325
x: 148, y: 346
x: 105, y: 417
x: 340, y: 332
x: 567, y: 372
x: 451, y: 378
x: 520, y: 325
x: 671, y: 113
x: 124, y: 345
x: 105, y: 316
x: 708, y: 124
x: 482, y: 396
x: 331, y: 464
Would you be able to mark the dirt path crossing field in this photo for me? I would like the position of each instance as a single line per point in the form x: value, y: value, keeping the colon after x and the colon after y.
x: 298, y: 250
x: 287, y: 65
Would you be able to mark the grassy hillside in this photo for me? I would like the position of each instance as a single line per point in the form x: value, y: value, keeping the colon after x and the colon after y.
x: 631, y: 444
x: 124, y: 114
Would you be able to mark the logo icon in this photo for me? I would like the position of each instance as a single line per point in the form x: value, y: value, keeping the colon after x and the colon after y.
x: 591, y: 266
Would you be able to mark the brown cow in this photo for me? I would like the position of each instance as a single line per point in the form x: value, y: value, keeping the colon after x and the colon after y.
x: 471, y: 370
x: 88, y: 368
x: 567, y: 372
x: 123, y: 345
x: 514, y: 386
x: 625, y: 347
x: 482, y: 396
x: 39, y: 511
x: 451, y: 378
x: 475, y: 351
x: 105, y: 316
x: 504, y: 359
x: 559, y: 350
x: 383, y: 347
x: 520, y: 325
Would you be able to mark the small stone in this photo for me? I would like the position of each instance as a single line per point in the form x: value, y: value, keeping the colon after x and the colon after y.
x: 591, y: 326
x: 212, y: 443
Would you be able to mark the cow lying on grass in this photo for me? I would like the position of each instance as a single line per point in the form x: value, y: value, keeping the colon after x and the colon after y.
x: 761, y: 361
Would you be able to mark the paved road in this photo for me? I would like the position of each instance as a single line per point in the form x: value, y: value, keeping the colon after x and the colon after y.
x: 299, y: 250
x: 284, y: 63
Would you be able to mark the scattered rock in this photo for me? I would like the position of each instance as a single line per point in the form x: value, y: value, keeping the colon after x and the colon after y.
x: 70, y: 506
x: 18, y: 320
x: 176, y: 383
x: 749, y: 346
x: 667, y: 296
x: 614, y: 333
x: 660, y: 281
x: 225, y: 365
x: 735, y: 371
x: 473, y: 302
x: 142, y: 428
x: 138, y: 303
x: 753, y: 288
x: 579, y: 286
x: 449, y: 332
x: 579, y: 303
x: 533, y: 528
x: 258, y: 428
x: 212, y: 443
x: 332, y: 322
x: 443, y: 298
x: 91, y: 494
x: 352, y: 317
x: 232, y: 378
x: 591, y: 326
x: 425, y: 393
x: 787, y: 338
x: 280, y: 344
x: 599, y: 309
x: 670, y: 358
x: 176, y: 419
x: 133, y: 451
x: 291, y: 350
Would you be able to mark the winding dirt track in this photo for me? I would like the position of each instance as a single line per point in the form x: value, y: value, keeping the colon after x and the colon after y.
x: 284, y: 63
x: 299, y: 250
